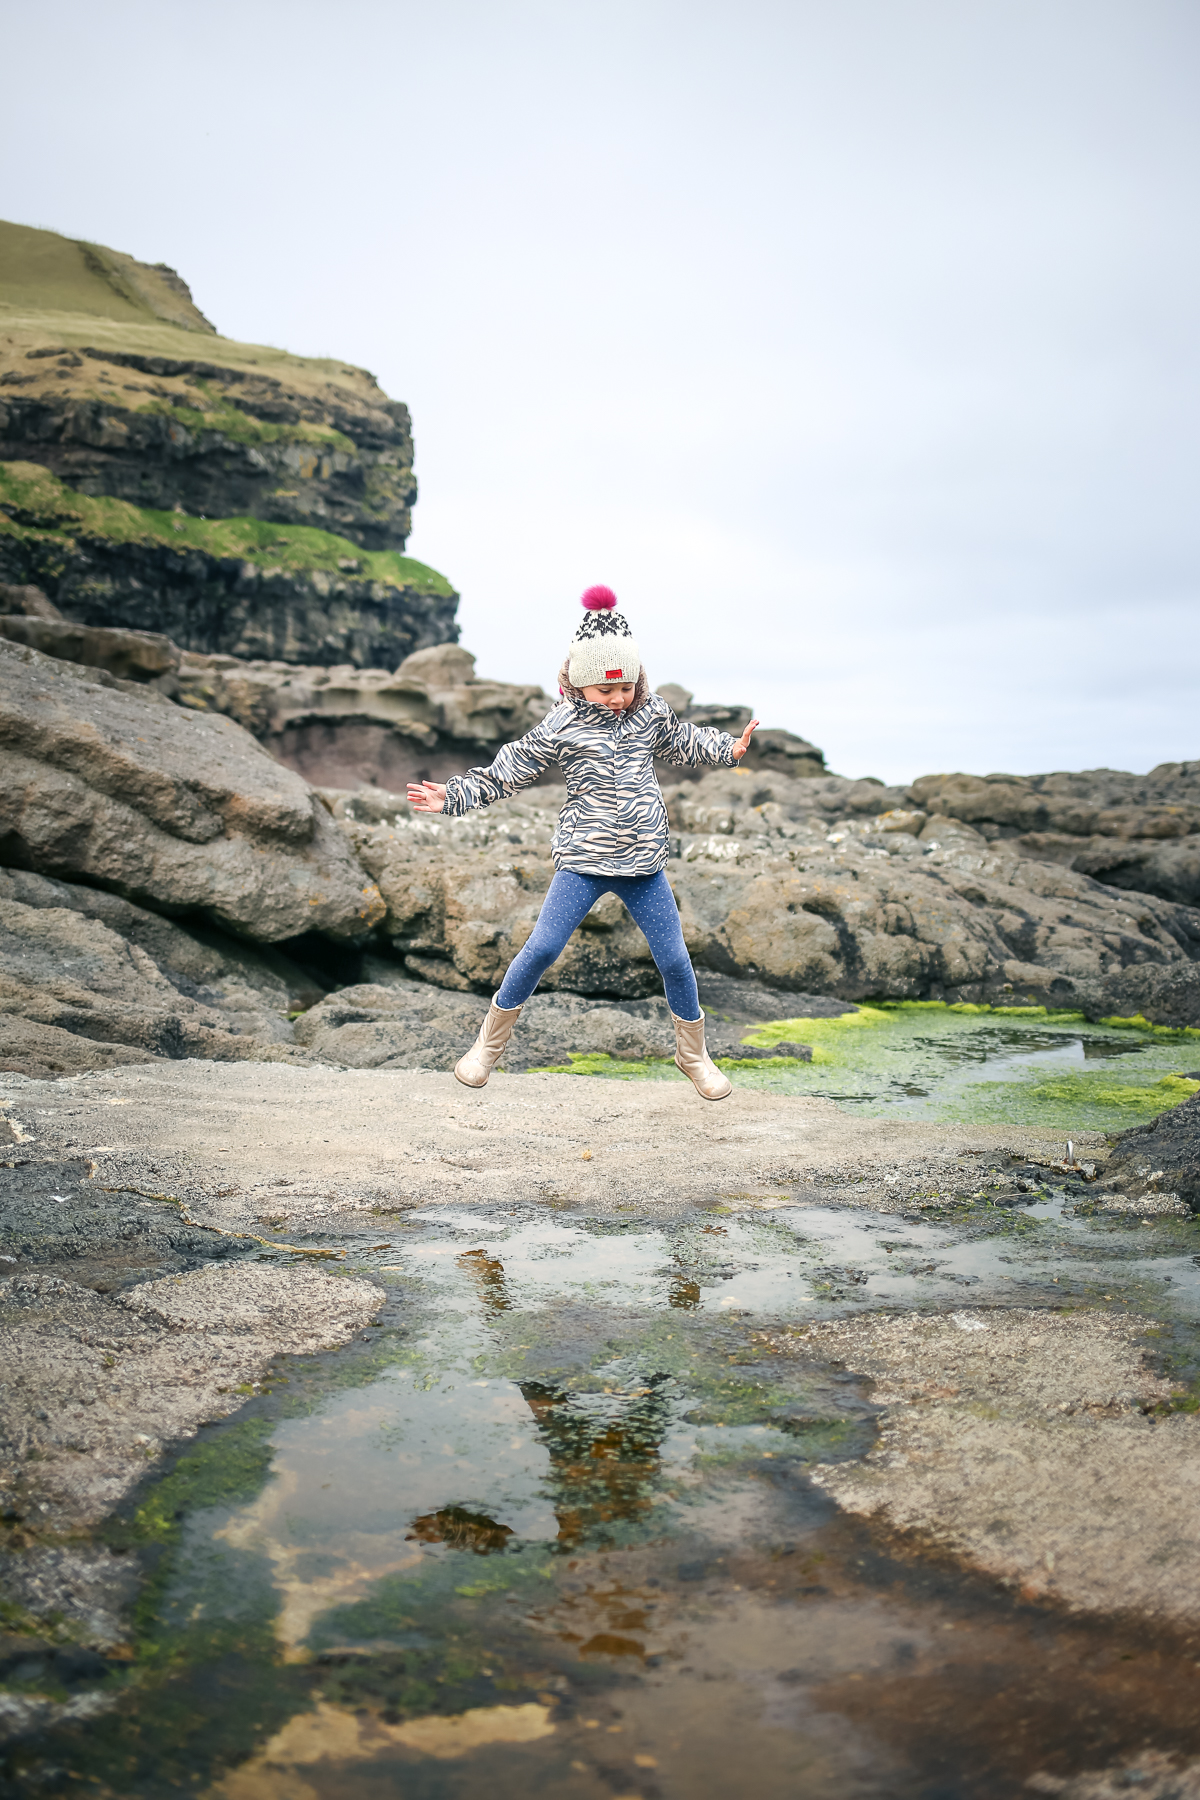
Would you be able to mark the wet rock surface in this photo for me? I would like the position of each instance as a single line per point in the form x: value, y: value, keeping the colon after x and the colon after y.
x: 125, y: 1328
x: 1162, y: 1156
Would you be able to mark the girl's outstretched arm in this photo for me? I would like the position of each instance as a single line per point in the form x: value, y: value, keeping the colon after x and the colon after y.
x: 427, y: 796
x: 516, y: 766
x: 691, y: 746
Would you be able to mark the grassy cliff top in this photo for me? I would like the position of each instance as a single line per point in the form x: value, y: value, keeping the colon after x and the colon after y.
x: 34, y: 503
x: 59, y: 291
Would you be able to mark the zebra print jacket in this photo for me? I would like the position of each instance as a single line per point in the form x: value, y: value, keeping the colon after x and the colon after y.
x: 614, y: 821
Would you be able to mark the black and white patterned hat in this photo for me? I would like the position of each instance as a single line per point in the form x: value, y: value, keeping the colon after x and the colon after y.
x: 603, y: 649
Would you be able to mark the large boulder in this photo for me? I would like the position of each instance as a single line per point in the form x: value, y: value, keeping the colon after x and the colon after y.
x: 109, y: 783
x: 131, y: 655
x: 88, y: 979
x: 795, y: 885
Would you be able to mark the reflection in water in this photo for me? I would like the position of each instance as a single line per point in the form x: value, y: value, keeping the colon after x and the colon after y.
x: 487, y: 1272
x: 603, y: 1469
x: 460, y: 1530
x: 333, y: 1739
x: 684, y: 1294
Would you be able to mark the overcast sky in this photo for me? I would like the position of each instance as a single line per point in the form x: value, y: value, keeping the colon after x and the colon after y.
x: 854, y: 343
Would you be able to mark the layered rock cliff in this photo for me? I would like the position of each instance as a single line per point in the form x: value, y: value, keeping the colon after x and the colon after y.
x: 263, y: 499
x: 234, y: 587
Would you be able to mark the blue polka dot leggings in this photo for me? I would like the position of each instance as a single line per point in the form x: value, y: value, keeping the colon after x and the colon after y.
x: 652, y: 907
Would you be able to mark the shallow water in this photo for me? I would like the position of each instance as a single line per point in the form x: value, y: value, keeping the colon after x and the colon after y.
x: 968, y: 1063
x: 549, y: 1529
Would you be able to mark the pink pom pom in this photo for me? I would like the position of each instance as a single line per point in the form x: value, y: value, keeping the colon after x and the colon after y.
x: 598, y: 599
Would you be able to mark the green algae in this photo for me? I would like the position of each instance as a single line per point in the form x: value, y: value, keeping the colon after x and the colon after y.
x: 1031, y: 1065
x: 1081, y: 1102
x: 599, y: 1062
x: 825, y: 1032
x: 764, y: 1062
x: 34, y: 504
x: 398, y: 1605
x: 1097, y: 1091
x: 1136, y: 1022
x: 230, y: 1468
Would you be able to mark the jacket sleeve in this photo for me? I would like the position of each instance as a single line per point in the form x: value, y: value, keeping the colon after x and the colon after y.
x: 687, y: 746
x: 516, y: 766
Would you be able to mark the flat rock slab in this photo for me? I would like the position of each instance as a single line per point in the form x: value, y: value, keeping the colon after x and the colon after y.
x: 98, y: 1384
x: 1027, y: 1444
x: 323, y: 1149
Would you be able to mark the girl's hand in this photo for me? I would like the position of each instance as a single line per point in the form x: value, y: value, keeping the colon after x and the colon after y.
x: 742, y: 744
x: 430, y: 796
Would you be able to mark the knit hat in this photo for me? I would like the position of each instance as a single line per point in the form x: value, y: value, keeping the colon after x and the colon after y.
x: 604, y: 648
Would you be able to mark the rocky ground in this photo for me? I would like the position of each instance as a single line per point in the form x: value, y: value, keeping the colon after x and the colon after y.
x: 310, y: 1146
x: 131, y: 1200
x: 1131, y: 831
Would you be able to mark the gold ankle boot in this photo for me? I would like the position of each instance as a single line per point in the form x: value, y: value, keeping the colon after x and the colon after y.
x: 474, y: 1068
x: 691, y: 1055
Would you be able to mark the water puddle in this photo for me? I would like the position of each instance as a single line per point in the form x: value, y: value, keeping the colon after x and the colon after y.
x: 551, y: 1529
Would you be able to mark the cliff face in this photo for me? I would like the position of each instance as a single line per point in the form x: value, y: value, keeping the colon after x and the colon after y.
x: 114, y: 383
x: 234, y: 587
x: 213, y: 440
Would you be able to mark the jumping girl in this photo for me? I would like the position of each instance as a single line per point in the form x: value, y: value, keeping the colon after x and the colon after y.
x: 612, y: 835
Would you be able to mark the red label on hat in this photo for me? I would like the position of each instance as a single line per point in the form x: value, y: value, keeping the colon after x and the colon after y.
x: 612, y: 674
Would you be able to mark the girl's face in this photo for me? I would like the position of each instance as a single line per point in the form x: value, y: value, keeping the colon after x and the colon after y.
x: 616, y: 695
